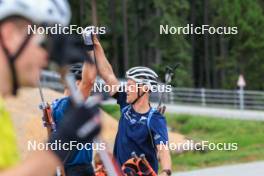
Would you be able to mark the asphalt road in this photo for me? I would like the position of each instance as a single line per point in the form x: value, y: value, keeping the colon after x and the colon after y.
x: 216, y: 112
x: 248, y: 169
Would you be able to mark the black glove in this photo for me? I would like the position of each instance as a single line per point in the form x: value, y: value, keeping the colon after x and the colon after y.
x: 80, y: 124
x: 66, y: 49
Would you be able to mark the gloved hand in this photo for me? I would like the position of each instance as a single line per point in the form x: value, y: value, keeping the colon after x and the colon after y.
x: 66, y: 49
x: 80, y: 124
x: 88, y: 38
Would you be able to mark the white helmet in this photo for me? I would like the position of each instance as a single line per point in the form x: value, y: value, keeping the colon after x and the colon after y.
x: 37, y: 11
x: 142, y: 75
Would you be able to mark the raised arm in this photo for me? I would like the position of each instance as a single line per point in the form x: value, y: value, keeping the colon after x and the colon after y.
x: 104, y: 68
x: 88, y: 78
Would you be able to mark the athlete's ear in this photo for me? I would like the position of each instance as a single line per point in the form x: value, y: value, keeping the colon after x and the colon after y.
x: 145, y: 88
x: 77, y: 83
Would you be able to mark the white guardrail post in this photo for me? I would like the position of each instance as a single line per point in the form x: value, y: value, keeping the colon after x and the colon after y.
x: 241, y: 98
x: 203, y: 97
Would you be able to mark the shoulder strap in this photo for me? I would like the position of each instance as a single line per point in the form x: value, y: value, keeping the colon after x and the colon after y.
x: 148, y: 125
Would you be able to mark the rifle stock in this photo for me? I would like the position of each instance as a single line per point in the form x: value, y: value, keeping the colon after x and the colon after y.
x: 48, y: 120
x: 47, y: 116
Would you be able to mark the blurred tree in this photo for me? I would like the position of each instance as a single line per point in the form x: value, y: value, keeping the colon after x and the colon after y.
x: 212, y: 61
x: 125, y: 34
x: 94, y: 13
x: 81, y: 11
x: 241, y: 53
x: 112, y: 6
x: 206, y: 45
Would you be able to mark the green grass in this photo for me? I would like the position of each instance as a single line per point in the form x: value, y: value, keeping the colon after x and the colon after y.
x: 248, y: 134
x: 113, y: 110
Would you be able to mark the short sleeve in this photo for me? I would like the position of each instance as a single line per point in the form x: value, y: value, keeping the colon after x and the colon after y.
x: 59, y: 107
x: 159, y: 130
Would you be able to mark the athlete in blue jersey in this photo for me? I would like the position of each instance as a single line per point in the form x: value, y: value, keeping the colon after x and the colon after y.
x: 79, y: 163
x: 141, y: 129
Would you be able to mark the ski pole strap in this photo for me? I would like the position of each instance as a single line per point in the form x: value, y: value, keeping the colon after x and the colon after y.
x: 148, y: 125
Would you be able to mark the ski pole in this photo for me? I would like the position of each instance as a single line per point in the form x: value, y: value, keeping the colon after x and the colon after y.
x: 92, y: 101
x: 169, y: 73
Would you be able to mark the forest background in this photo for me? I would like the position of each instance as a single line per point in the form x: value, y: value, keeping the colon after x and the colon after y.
x: 209, y: 61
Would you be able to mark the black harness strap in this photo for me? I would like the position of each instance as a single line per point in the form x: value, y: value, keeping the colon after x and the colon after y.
x: 11, y: 60
x: 138, y: 96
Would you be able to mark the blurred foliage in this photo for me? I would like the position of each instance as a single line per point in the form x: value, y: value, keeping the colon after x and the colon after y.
x: 245, y: 49
x: 229, y: 55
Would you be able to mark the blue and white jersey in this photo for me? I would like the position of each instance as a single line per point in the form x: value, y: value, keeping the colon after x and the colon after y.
x: 59, y: 107
x: 133, y: 133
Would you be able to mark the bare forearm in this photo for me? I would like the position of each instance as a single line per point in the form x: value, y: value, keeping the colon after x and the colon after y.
x: 104, y: 68
x: 165, y: 159
x: 88, y: 78
x: 40, y: 163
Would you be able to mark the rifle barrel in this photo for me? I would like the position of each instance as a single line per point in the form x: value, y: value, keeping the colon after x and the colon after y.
x: 41, y: 93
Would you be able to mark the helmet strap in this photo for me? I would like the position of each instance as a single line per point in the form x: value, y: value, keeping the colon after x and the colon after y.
x: 138, y: 96
x: 11, y: 60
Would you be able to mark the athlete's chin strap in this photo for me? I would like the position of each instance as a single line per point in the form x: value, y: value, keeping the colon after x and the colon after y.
x: 138, y: 96
x: 11, y: 60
